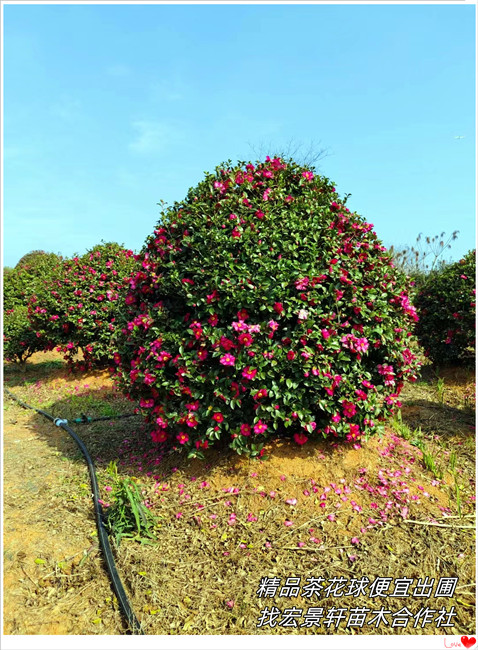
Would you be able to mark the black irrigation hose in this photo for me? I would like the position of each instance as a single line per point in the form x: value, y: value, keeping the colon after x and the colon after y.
x: 118, y: 588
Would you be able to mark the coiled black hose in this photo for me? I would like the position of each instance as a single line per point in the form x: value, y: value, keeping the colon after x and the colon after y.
x: 118, y: 588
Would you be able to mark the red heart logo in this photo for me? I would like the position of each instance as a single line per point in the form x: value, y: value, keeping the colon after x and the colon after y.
x: 468, y: 641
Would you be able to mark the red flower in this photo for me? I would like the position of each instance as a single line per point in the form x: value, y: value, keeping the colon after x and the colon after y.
x: 278, y: 308
x: 159, y: 436
x: 246, y: 429
x: 245, y: 339
x: 291, y: 355
x: 260, y: 394
x: 219, y: 417
x: 300, y: 438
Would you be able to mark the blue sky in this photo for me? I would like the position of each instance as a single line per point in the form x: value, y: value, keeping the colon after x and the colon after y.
x: 110, y: 108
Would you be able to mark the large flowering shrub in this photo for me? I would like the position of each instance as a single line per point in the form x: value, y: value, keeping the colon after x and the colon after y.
x: 264, y: 306
x: 77, y: 308
x: 19, y: 339
x: 446, y: 304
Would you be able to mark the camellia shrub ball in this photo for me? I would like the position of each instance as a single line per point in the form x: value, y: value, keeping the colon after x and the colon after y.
x: 19, y: 284
x: 447, y: 308
x: 76, y: 308
x: 264, y: 306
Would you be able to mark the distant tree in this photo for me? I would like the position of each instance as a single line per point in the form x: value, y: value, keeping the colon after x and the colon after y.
x: 33, y: 259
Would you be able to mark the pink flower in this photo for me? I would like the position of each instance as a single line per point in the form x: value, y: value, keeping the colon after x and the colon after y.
x: 301, y: 283
x: 361, y: 345
x: 239, y: 326
x: 288, y: 523
x: 182, y: 437
x: 349, y: 408
x: 355, y: 540
x: 249, y: 373
x: 300, y: 438
x: 308, y: 175
x: 354, y: 432
x: 260, y: 427
x: 146, y: 403
x: 227, y: 360
x: 291, y: 502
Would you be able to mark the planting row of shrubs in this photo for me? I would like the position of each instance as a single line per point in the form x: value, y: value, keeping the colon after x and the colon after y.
x: 19, y: 339
x: 259, y: 306
x: 447, y: 308
x: 67, y: 304
x: 76, y: 309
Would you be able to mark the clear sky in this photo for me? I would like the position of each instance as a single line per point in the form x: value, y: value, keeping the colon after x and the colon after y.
x: 110, y: 108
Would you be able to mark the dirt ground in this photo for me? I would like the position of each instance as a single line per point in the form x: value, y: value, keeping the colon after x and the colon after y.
x: 202, y: 577
x: 50, y: 552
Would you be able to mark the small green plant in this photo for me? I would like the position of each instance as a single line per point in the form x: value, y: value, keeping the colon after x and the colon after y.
x: 128, y: 516
x: 458, y: 489
x: 441, y: 390
x: 428, y: 457
x: 428, y: 460
x: 86, y: 403
x: 452, y: 461
x: 400, y: 427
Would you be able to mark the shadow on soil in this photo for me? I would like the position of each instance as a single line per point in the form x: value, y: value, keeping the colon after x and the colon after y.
x: 127, y: 440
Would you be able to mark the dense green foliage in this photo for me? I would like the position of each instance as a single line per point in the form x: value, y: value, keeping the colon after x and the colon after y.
x: 263, y: 306
x: 19, y: 284
x: 446, y: 305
